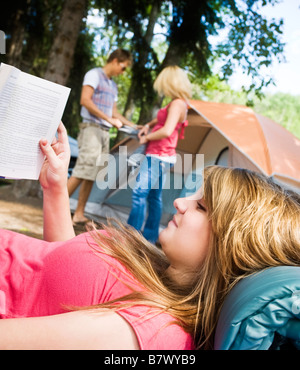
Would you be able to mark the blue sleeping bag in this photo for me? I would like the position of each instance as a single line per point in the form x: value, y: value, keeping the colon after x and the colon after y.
x: 262, y: 312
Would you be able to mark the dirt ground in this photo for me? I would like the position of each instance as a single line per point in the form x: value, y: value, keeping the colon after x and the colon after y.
x: 24, y: 215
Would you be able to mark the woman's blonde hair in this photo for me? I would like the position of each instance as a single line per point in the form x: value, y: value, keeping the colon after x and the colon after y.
x: 173, y: 82
x: 255, y: 225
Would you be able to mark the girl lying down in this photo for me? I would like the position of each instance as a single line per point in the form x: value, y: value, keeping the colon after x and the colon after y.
x: 111, y: 289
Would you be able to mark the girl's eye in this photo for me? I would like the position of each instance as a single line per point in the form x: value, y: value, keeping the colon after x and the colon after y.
x: 200, y: 206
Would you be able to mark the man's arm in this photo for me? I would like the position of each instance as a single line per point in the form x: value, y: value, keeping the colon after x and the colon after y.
x: 124, y: 120
x: 86, y: 100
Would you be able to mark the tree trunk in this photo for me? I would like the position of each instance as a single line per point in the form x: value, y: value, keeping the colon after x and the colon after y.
x: 173, y: 55
x: 62, y: 51
x: 139, y: 68
x: 58, y: 68
x: 14, y: 56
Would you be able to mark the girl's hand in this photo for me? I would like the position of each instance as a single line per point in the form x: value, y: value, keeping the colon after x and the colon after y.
x: 54, y: 173
x: 143, y: 139
x: 144, y: 131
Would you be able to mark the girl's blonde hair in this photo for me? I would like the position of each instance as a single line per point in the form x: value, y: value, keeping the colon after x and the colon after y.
x: 173, y: 82
x: 255, y: 225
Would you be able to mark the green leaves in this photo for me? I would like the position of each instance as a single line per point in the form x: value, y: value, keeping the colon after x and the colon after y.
x: 252, y: 44
x: 195, y: 34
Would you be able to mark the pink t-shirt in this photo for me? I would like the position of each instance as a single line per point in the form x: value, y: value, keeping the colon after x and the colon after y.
x: 38, y: 278
x: 167, y: 146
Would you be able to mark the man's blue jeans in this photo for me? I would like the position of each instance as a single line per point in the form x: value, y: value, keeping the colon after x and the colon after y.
x: 148, y: 189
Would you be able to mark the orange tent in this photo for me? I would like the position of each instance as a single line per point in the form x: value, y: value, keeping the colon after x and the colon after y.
x: 228, y: 135
x: 236, y: 136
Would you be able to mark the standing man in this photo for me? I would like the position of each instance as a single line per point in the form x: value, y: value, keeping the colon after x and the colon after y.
x: 99, y: 113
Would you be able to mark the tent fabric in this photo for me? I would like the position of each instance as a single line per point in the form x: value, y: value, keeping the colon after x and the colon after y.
x: 270, y: 147
x: 226, y: 134
x: 284, y: 148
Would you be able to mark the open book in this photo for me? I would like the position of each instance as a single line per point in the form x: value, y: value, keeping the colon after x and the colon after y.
x: 31, y: 108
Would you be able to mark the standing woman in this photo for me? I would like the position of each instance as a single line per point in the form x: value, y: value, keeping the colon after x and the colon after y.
x: 161, y: 143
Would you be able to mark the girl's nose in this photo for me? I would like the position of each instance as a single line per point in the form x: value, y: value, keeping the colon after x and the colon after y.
x: 180, y: 204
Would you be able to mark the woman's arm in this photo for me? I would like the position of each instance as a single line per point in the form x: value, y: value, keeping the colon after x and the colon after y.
x: 152, y: 122
x: 145, y: 129
x: 79, y: 330
x: 176, y: 113
x: 53, y: 179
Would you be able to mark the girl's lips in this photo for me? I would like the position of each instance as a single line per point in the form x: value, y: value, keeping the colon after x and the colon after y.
x: 174, y: 221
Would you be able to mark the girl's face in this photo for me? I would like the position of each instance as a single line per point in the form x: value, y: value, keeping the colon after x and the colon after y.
x: 185, y: 241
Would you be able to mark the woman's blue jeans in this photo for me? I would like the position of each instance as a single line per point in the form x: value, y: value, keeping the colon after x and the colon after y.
x: 148, y: 191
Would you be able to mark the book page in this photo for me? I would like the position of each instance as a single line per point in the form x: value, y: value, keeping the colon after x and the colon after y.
x: 30, y: 109
x: 5, y: 71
